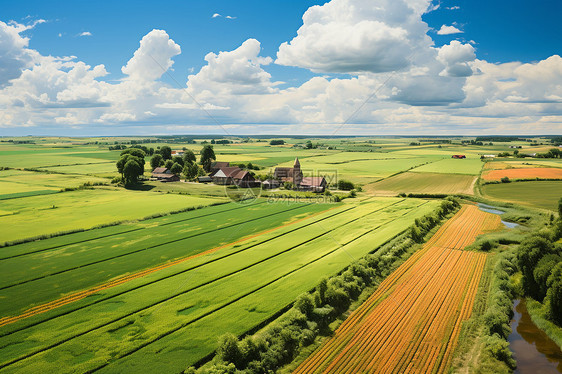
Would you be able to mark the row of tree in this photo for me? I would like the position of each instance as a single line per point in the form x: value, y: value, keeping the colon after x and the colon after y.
x: 539, y: 257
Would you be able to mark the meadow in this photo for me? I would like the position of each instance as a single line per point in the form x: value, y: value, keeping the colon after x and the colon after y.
x: 424, y: 183
x: 83, y: 209
x: 538, y: 194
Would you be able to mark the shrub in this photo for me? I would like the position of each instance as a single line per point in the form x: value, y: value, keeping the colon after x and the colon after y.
x: 345, y: 185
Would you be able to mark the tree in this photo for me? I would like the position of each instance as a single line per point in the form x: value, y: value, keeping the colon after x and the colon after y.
x: 166, y: 152
x: 178, y: 160
x: 125, y: 158
x: 168, y: 164
x: 131, y: 172
x: 560, y: 208
x: 228, y: 349
x: 308, y: 144
x: 156, y: 161
x: 529, y: 253
x: 189, y: 157
x: 207, y: 157
x: 542, y: 272
x: 277, y: 142
x: 554, y: 294
x: 137, y: 153
x: 176, y: 168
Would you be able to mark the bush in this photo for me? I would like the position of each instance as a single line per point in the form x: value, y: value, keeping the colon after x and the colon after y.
x: 345, y: 185
x: 499, y: 349
x: 505, y: 180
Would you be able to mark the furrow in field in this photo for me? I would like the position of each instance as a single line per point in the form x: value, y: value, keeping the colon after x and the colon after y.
x: 412, y: 322
x: 283, y: 264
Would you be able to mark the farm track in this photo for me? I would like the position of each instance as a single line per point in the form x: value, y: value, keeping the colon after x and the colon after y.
x: 166, y: 333
x: 411, y: 323
x: 148, y: 248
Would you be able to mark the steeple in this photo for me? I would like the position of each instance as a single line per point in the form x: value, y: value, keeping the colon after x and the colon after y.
x: 297, y: 164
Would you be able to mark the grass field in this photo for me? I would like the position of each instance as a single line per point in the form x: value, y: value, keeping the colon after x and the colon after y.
x: 538, y: 194
x: 411, y: 323
x: 522, y: 173
x: 82, y: 209
x: 470, y: 166
x: 171, y: 318
x: 426, y: 183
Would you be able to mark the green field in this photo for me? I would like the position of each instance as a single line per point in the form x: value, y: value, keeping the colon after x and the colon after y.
x: 425, y: 183
x: 170, y: 319
x: 538, y: 194
x: 82, y: 209
x: 470, y: 166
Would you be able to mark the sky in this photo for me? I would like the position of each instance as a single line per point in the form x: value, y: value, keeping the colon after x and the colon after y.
x: 338, y: 67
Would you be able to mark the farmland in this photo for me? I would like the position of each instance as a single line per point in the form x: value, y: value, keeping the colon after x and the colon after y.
x: 538, y: 194
x: 523, y: 173
x: 148, y: 278
x: 412, y: 322
x: 182, y: 299
x: 424, y: 183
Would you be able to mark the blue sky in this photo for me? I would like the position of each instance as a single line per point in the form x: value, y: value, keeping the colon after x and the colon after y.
x: 493, y: 39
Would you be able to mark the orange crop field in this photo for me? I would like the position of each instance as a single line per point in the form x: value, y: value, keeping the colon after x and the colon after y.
x: 523, y: 173
x: 413, y: 321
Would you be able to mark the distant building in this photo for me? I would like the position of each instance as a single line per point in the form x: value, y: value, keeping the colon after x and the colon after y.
x: 178, y: 153
x: 204, y: 179
x: 458, y: 156
x: 270, y: 184
x: 292, y: 175
x: 315, y: 184
x: 233, y: 175
x: 489, y: 156
x: 164, y: 175
x: 515, y: 146
x: 217, y: 165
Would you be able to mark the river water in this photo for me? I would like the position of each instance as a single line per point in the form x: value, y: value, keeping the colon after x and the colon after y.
x: 533, y: 350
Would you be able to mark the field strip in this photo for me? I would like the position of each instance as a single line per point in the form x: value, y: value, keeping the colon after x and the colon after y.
x: 203, y: 253
x: 80, y: 295
x: 125, y: 231
x: 412, y: 322
x: 169, y: 298
x: 241, y: 249
x: 207, y: 314
x: 268, y: 215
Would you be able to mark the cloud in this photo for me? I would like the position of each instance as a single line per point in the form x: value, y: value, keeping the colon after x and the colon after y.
x: 153, y: 58
x: 353, y: 36
x: 448, y: 30
x: 236, y: 72
x: 14, y: 52
x: 217, y: 15
x: 85, y: 33
x: 455, y: 7
x: 456, y: 56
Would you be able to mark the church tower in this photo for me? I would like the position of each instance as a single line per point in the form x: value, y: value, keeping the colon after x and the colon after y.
x: 297, y: 173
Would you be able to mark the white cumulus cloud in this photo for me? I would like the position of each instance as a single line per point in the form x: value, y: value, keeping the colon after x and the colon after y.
x: 448, y: 30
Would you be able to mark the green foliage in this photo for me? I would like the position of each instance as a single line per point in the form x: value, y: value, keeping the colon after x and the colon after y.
x: 542, y: 272
x: 166, y: 152
x: 345, y: 185
x: 499, y: 349
x: 192, y: 171
x: 530, y: 252
x: 189, y: 157
x: 178, y: 160
x: 554, y: 294
x: 505, y: 180
x: 131, y: 165
x: 176, y: 168
x: 156, y: 161
x: 168, y: 164
x: 277, y: 142
x: 207, y: 157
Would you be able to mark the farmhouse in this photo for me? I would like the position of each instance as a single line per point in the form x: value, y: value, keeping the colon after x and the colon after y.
x: 164, y: 175
x: 233, y: 175
x: 178, y: 153
x: 315, y: 184
x: 458, y: 156
x: 270, y: 184
x: 293, y: 175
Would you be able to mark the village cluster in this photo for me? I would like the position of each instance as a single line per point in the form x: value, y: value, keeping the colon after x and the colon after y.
x: 224, y: 174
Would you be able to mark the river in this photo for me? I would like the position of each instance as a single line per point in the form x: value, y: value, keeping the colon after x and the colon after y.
x: 533, y: 350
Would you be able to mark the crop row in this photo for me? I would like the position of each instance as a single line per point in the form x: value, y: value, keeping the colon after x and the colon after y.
x: 413, y: 320
x: 207, y: 290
